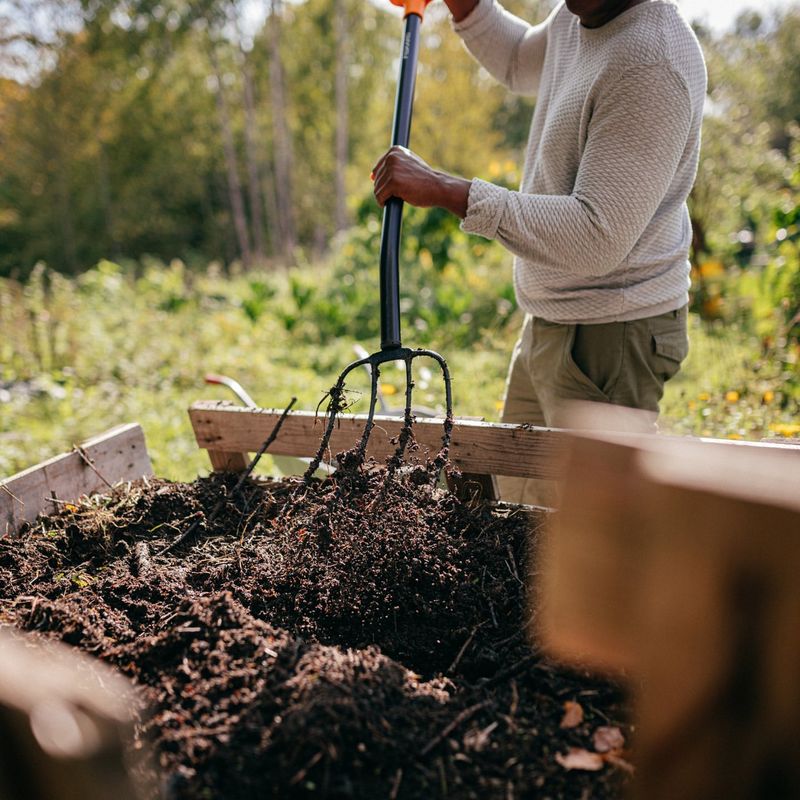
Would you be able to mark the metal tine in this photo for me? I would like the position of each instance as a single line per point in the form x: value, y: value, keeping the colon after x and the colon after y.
x: 448, y: 389
x: 441, y: 459
x: 334, y: 407
x: 370, y: 424
x: 408, y: 420
x: 336, y: 404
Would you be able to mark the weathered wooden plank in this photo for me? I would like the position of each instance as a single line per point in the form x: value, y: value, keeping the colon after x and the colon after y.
x: 222, y: 461
x: 678, y: 562
x: 477, y: 447
x: 119, y: 454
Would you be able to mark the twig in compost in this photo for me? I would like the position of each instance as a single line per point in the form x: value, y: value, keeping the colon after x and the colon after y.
x: 89, y: 463
x: 457, y: 659
x: 301, y: 774
x: 398, y: 779
x: 191, y: 530
x: 466, y: 714
x: 511, y: 671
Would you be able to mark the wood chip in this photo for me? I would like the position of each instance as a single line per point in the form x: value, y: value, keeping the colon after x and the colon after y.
x: 607, y: 738
x: 573, y: 714
x: 578, y: 758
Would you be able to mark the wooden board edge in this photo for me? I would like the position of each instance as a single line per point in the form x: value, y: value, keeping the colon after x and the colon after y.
x: 114, y: 456
x: 477, y: 447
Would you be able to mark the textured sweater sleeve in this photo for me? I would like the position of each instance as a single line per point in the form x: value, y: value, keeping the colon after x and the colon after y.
x: 634, y: 142
x: 509, y: 48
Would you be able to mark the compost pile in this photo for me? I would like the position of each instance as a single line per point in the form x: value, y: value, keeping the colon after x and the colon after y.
x: 358, y: 637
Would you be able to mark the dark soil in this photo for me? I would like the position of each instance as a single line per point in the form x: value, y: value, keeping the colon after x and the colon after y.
x: 354, y: 638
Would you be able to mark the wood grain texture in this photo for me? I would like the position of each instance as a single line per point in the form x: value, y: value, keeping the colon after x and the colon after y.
x: 229, y: 432
x: 677, y: 562
x: 119, y: 454
x: 477, y: 447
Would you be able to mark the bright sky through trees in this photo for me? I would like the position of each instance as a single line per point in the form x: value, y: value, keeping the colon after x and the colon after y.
x: 720, y: 15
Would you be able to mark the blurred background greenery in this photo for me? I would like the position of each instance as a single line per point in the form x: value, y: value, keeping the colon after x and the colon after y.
x: 184, y: 187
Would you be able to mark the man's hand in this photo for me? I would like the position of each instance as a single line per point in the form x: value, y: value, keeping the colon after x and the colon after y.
x: 401, y: 173
x: 460, y: 9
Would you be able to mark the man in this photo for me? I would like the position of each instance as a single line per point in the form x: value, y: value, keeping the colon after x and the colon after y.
x: 599, y: 228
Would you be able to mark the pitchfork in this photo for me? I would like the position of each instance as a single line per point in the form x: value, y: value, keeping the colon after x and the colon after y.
x: 391, y: 344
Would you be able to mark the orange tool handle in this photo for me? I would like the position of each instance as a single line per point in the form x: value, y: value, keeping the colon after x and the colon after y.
x: 412, y: 6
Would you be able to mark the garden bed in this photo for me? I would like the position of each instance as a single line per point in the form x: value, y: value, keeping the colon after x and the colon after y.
x: 355, y: 638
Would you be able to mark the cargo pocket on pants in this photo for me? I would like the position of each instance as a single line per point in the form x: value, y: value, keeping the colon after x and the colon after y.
x: 670, y: 348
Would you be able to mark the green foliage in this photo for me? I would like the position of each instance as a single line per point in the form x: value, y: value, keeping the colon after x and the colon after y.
x: 124, y: 343
x: 760, y: 294
x: 454, y: 289
x: 132, y: 343
x: 257, y: 302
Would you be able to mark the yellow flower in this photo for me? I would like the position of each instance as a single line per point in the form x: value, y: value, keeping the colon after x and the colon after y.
x: 388, y: 389
x: 732, y: 397
x: 704, y: 397
x: 712, y: 269
x: 734, y: 436
x: 498, y: 405
x: 70, y: 507
x: 692, y: 405
x: 785, y: 428
x: 768, y: 396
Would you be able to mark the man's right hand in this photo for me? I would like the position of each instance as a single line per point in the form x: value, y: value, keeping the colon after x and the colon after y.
x: 460, y: 9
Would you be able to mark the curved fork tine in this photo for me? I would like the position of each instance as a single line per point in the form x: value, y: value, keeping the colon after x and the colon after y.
x: 408, y: 420
x: 334, y: 407
x: 448, y: 390
x: 373, y: 400
x: 441, y: 458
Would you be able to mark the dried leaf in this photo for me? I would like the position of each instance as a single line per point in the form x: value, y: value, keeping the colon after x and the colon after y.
x: 608, y: 738
x: 573, y: 714
x: 578, y: 758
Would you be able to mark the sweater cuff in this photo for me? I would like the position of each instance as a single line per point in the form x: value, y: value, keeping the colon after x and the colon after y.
x: 485, y: 206
x: 477, y: 22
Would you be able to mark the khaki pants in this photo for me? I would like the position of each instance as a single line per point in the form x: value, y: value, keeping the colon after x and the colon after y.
x: 622, y: 363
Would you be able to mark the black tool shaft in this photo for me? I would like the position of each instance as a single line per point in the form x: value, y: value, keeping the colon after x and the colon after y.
x: 393, y: 211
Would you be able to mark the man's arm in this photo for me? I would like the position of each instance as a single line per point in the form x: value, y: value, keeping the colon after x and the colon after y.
x: 509, y: 48
x: 636, y: 139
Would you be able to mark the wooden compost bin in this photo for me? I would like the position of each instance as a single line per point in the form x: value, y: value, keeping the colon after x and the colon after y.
x: 644, y: 566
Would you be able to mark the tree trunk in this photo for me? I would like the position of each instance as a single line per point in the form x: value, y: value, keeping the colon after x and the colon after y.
x: 232, y: 169
x: 273, y: 215
x: 341, y: 29
x: 283, y: 156
x: 251, y: 153
x: 106, y: 203
x: 65, y: 206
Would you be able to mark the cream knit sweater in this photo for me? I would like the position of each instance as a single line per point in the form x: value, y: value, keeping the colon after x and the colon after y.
x: 599, y: 227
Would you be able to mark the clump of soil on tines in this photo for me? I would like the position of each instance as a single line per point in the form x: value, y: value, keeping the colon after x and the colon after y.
x: 354, y: 638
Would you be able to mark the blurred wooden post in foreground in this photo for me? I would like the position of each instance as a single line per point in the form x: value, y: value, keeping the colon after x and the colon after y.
x: 65, y: 722
x: 680, y: 563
